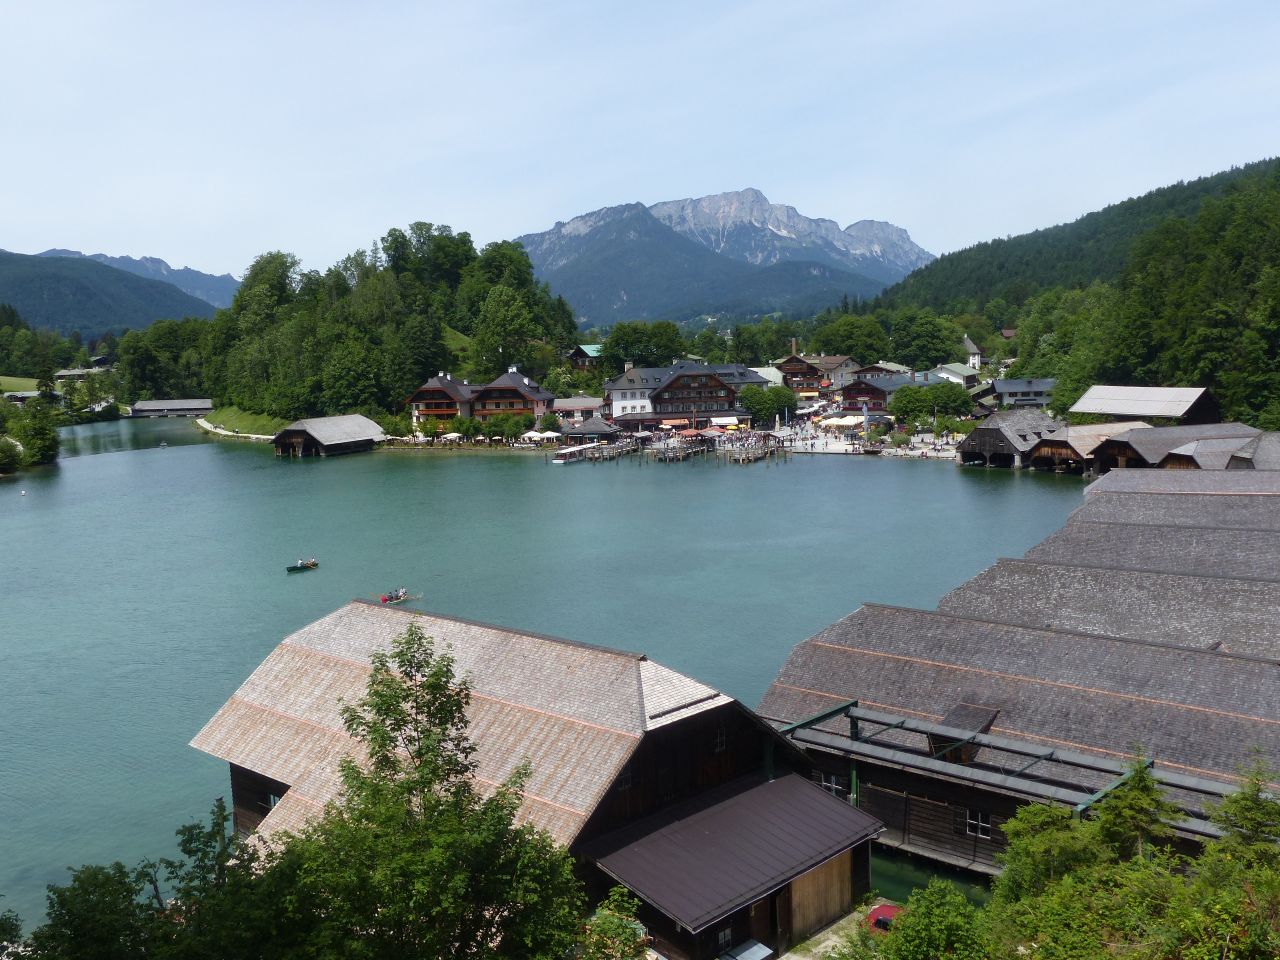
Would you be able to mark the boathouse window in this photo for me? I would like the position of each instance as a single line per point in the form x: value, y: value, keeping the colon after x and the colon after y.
x: 978, y: 824
x: 722, y: 739
x: 834, y: 784
x: 724, y: 939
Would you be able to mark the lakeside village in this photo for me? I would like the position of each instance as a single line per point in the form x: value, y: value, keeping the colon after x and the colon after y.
x: 1137, y: 644
x: 802, y: 403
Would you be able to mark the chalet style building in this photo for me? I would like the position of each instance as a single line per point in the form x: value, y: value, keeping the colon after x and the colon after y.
x: 442, y: 398
x: 1006, y: 438
x: 876, y: 391
x: 650, y: 778
x: 511, y: 393
x: 1150, y: 622
x: 585, y: 356
x: 809, y: 375
x: 685, y: 394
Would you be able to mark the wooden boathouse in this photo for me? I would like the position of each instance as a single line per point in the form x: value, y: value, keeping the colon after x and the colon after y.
x: 1150, y: 621
x: 652, y: 779
x: 328, y: 436
x: 1005, y: 438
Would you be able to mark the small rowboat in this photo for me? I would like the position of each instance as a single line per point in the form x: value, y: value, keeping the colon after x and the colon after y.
x: 398, y: 595
x: 302, y: 565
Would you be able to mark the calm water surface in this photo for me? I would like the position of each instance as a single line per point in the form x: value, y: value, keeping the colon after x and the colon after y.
x: 141, y: 584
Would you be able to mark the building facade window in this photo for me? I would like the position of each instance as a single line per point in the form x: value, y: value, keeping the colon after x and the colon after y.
x: 721, y: 739
x: 978, y: 824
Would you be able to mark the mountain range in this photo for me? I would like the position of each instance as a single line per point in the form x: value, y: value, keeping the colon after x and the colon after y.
x: 215, y: 290
x: 66, y: 294
x: 731, y: 254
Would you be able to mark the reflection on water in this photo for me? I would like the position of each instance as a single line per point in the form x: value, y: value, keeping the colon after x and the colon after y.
x: 114, y: 436
x: 894, y: 875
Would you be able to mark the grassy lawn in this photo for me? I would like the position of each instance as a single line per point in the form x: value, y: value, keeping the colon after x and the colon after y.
x: 17, y: 383
x: 233, y: 418
x: 455, y: 341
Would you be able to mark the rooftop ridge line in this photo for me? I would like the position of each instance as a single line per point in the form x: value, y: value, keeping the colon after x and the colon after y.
x: 1042, y: 681
x: 1066, y: 631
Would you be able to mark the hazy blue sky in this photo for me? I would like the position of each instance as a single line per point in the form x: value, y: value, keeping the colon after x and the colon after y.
x: 208, y: 133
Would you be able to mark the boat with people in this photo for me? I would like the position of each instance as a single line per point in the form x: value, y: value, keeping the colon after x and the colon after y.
x: 398, y: 595
x: 302, y: 565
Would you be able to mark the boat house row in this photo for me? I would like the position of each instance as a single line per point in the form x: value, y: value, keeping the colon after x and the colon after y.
x: 1150, y: 620
x: 651, y: 779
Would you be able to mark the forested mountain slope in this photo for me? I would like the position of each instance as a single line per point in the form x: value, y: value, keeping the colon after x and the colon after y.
x: 56, y: 293
x: 212, y: 289
x: 1076, y: 254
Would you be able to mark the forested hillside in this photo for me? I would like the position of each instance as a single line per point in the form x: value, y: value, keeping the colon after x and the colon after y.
x: 361, y: 335
x: 1093, y: 248
x: 66, y: 295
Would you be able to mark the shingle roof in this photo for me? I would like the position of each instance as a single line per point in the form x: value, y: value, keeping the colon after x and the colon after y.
x: 1201, y: 711
x: 1192, y: 550
x: 348, y: 428
x: 575, y: 711
x: 1237, y: 482
x: 1224, y: 511
x: 1085, y: 438
x: 454, y: 388
x: 1260, y: 453
x: 1210, y: 454
x: 701, y: 860
x: 590, y: 426
x: 515, y: 380
x: 825, y: 362
x: 1041, y: 385
x: 172, y: 405
x: 1238, y: 616
x: 1153, y: 443
x: 1138, y: 401
x: 969, y: 346
x: 651, y: 378
x: 1022, y: 428
x: 577, y: 403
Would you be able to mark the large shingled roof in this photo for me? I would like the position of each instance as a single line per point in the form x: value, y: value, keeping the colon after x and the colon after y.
x: 1211, y: 613
x: 575, y: 711
x: 1233, y: 482
x: 1224, y: 511
x: 349, y: 428
x: 1198, y: 711
x: 1199, y: 551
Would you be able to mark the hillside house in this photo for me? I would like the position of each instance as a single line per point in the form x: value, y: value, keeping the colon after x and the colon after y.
x: 1025, y: 393
x: 438, y: 401
x: 650, y: 778
x: 585, y: 356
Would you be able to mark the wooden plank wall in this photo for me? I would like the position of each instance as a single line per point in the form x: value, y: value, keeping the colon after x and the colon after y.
x: 821, y: 896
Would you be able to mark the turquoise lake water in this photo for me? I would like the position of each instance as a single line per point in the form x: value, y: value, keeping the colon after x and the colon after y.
x: 141, y: 584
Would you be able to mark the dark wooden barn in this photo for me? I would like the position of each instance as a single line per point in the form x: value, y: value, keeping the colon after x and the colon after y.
x: 1006, y: 438
x: 651, y: 779
x: 328, y: 436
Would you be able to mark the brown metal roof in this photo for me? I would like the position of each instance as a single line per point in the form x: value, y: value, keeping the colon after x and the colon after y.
x: 699, y: 861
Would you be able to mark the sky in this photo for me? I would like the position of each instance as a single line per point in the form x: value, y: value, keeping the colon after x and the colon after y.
x: 207, y: 134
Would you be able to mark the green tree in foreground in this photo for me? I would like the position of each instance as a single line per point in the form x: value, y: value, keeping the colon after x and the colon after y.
x: 37, y: 430
x: 415, y: 861
x: 613, y: 932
